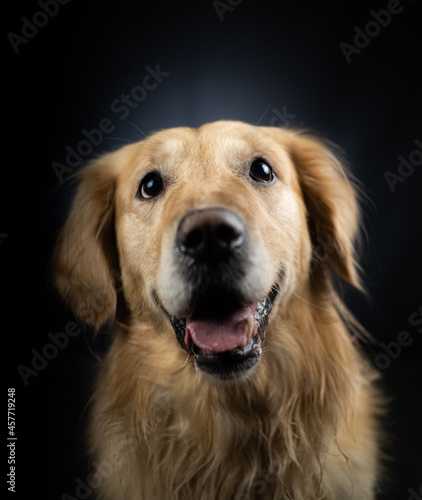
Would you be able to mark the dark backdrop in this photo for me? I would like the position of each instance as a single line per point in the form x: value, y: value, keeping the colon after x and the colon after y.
x: 350, y: 71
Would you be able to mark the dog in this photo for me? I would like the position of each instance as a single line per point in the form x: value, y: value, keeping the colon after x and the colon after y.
x: 235, y: 369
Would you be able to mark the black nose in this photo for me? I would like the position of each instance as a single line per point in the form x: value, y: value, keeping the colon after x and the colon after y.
x: 210, y: 235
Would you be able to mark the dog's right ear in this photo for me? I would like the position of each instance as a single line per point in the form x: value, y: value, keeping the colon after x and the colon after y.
x: 85, y: 251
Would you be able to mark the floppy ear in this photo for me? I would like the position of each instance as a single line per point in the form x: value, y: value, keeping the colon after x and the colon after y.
x: 85, y: 252
x: 330, y: 197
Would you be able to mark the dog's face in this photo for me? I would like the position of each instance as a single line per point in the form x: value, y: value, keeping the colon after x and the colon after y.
x: 210, y: 224
x: 211, y: 228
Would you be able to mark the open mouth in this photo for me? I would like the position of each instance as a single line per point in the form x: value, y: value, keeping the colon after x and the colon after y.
x: 226, y: 345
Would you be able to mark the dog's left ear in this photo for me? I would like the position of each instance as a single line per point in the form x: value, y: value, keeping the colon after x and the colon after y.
x: 330, y: 197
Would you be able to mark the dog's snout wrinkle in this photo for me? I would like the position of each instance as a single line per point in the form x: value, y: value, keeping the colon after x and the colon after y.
x: 211, y: 234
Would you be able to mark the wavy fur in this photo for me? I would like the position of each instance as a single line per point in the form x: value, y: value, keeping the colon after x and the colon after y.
x: 304, y: 424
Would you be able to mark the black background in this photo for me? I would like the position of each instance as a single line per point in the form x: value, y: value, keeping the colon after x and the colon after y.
x: 253, y: 62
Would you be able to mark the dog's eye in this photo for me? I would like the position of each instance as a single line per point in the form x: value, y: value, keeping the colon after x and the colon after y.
x: 151, y: 185
x: 260, y: 171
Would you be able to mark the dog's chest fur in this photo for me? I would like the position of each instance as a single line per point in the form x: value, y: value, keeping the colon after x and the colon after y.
x: 185, y: 437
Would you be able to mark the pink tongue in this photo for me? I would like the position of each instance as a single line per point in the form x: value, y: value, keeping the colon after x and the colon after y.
x: 221, y: 336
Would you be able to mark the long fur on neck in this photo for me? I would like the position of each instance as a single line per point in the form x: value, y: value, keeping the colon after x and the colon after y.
x: 268, y: 436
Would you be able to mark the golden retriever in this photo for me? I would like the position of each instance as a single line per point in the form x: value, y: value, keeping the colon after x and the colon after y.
x: 233, y: 372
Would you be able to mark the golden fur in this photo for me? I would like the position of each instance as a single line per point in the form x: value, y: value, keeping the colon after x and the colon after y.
x: 303, y: 424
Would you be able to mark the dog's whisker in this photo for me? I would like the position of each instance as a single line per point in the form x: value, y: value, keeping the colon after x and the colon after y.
x: 307, y: 301
x: 137, y: 128
x: 121, y: 139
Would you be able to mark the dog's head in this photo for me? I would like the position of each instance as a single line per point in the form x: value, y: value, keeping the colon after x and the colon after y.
x: 208, y: 230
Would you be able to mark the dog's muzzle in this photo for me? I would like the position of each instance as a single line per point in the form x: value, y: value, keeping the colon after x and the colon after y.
x: 221, y: 329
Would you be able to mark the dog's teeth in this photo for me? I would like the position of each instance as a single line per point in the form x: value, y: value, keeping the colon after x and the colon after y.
x: 248, y: 337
